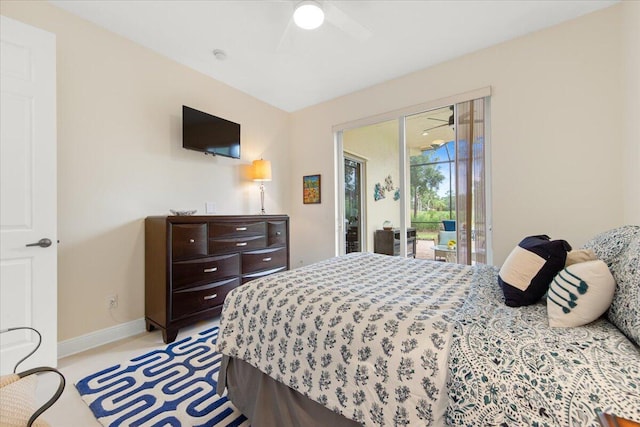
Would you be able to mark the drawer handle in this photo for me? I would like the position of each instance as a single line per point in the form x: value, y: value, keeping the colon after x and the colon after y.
x: 208, y: 297
x: 241, y: 228
x: 210, y: 270
x: 278, y: 233
x: 192, y: 241
x: 266, y: 259
x: 241, y: 244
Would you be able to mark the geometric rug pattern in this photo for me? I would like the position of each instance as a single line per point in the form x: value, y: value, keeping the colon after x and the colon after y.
x: 171, y: 386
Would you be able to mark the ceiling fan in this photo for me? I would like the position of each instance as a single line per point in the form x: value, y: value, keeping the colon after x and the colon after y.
x: 331, y: 14
x: 449, y: 122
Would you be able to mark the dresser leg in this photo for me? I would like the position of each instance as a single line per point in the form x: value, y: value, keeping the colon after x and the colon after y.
x: 169, y: 335
x: 150, y: 327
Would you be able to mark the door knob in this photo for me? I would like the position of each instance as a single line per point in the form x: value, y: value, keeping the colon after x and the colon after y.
x: 43, y: 243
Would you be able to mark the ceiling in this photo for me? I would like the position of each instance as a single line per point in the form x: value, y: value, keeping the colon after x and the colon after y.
x: 361, y: 43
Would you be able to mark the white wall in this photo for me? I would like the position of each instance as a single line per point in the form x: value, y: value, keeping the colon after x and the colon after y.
x: 559, y: 106
x: 120, y: 159
x: 631, y: 110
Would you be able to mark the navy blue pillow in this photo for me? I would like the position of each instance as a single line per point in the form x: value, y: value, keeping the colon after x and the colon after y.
x: 529, y: 269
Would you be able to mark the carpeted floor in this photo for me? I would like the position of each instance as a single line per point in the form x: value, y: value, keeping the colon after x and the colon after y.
x: 170, y: 386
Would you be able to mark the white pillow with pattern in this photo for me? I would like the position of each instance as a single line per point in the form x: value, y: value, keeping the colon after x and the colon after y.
x: 579, y: 294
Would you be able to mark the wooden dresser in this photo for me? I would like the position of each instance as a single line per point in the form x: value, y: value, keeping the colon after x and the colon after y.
x: 192, y: 262
x: 388, y: 242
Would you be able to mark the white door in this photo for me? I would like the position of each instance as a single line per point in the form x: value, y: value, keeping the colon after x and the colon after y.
x: 28, y: 274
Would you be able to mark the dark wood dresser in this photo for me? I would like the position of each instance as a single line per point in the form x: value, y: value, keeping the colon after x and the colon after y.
x: 388, y: 242
x: 192, y: 262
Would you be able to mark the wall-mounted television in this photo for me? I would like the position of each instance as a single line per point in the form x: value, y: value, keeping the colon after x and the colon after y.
x: 210, y: 134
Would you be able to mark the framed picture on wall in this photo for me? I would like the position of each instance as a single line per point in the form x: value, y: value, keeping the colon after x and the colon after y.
x: 311, y: 189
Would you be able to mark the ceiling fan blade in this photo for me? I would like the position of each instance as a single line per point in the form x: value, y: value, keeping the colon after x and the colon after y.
x: 285, y: 43
x: 345, y: 23
x: 436, y: 127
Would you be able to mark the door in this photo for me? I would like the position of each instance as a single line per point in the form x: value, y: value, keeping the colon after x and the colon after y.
x: 28, y: 274
x: 353, y: 206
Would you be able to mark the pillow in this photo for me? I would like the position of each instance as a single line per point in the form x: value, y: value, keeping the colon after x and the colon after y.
x: 580, y: 255
x: 18, y: 401
x: 625, y: 308
x: 579, y: 294
x: 609, y: 244
x: 528, y: 270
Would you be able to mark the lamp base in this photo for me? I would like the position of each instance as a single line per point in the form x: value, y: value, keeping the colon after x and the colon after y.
x: 262, y: 211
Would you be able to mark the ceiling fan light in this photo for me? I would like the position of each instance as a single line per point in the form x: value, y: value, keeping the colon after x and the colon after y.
x: 308, y: 15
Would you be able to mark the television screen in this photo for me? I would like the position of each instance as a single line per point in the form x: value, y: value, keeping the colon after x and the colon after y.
x: 210, y: 134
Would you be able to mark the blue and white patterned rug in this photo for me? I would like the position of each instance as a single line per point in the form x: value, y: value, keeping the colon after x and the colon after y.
x: 173, y: 386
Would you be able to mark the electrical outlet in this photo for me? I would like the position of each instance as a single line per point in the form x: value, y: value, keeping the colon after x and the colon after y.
x: 209, y: 207
x: 112, y: 301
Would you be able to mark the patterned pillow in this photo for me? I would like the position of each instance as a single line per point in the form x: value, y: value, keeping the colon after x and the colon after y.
x: 528, y: 270
x: 619, y: 249
x: 579, y: 294
x: 609, y: 244
x: 625, y: 308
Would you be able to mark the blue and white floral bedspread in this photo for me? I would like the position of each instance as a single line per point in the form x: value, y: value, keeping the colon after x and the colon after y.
x: 365, y: 335
x: 509, y: 368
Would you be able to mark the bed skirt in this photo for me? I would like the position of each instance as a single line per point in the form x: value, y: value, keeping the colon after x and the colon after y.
x: 268, y: 403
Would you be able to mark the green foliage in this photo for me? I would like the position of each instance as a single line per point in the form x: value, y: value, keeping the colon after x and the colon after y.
x: 424, y: 182
x: 430, y: 220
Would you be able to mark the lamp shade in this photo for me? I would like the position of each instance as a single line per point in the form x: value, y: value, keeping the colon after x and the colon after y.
x: 261, y: 170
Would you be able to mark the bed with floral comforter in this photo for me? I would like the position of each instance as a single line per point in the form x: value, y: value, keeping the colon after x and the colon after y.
x: 365, y: 335
x: 387, y: 341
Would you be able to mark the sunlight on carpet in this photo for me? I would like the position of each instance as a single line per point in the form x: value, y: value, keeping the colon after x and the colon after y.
x: 170, y: 386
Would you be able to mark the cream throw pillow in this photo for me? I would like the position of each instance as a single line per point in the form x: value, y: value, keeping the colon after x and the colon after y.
x: 579, y: 294
x: 17, y: 401
x: 580, y: 255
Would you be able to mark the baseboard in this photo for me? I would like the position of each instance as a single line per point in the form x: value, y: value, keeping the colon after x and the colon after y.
x: 101, y: 337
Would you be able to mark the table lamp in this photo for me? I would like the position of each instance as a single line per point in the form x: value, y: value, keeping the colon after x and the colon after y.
x: 262, y: 173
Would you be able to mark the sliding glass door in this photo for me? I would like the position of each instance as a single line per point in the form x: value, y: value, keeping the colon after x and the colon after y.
x: 433, y: 165
x: 376, y: 148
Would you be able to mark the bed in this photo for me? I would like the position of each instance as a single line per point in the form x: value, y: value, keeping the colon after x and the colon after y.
x: 374, y: 340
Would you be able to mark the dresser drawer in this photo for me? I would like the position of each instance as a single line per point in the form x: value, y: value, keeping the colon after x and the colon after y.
x: 264, y: 259
x: 249, y: 277
x: 195, y: 271
x: 189, y: 301
x: 221, y: 229
x: 188, y: 240
x: 235, y: 244
x: 276, y: 233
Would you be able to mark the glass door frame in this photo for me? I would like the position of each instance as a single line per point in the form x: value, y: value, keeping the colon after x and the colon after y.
x: 401, y: 115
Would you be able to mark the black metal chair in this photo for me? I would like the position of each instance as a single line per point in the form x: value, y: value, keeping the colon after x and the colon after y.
x: 14, y: 403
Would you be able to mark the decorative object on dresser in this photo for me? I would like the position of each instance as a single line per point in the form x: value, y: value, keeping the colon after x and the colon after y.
x: 387, y: 242
x: 192, y: 262
x: 261, y: 173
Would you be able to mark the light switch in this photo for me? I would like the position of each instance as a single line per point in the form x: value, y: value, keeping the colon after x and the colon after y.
x: 209, y: 207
